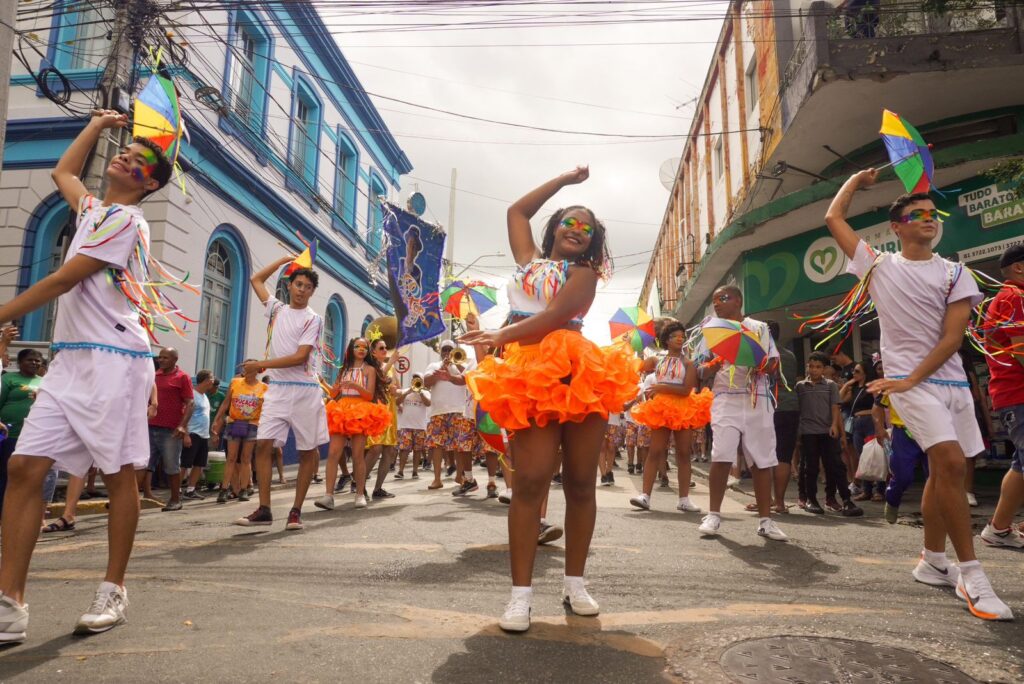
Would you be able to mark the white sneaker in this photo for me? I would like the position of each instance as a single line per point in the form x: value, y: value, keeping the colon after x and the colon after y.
x: 505, y: 497
x: 771, y: 530
x: 709, y: 525
x: 981, y: 599
x: 687, y: 506
x: 581, y: 602
x: 360, y: 501
x: 325, y: 502
x: 13, y: 620
x: 926, y: 573
x: 107, y: 610
x: 517, y: 615
x: 641, y: 501
x: 972, y: 500
x: 1009, y: 538
x: 732, y: 482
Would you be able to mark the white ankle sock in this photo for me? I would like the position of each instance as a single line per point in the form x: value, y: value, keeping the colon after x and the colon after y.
x: 970, y: 568
x: 522, y: 592
x: 572, y: 584
x: 763, y: 521
x: 936, y: 558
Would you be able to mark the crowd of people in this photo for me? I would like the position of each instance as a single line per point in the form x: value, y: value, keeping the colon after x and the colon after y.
x: 566, y: 405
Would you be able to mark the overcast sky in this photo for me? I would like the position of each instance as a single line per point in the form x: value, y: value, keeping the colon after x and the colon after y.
x: 638, y: 89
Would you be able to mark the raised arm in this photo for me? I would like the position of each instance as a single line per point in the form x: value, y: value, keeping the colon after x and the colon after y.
x: 260, y: 277
x: 520, y: 235
x: 66, y: 174
x: 835, y: 217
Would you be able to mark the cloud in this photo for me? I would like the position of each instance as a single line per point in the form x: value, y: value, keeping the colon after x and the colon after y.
x: 505, y: 163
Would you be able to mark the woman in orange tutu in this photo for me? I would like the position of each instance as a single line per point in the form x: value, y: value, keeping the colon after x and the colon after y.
x: 358, y: 409
x: 672, y: 411
x: 552, y: 388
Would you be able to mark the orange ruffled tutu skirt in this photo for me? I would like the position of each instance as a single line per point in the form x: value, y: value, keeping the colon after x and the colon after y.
x: 356, y: 416
x: 675, y: 411
x: 564, y: 378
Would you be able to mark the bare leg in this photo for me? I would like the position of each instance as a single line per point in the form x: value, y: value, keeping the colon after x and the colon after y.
x: 358, y: 443
x: 656, y: 454
x: 230, y: 467
x: 1011, y: 498
x: 121, y: 523
x: 946, y: 478
x: 263, y: 466
x: 373, y: 457
x: 969, y: 475
x: 384, y: 466
x: 308, y: 464
x: 781, y: 477
x: 22, y: 510
x: 335, y: 451
x: 533, y: 480
x: 684, y: 445
x: 718, y: 477
x: 580, y: 445
x: 435, y: 457
x: 73, y: 494
x: 762, y: 490
x: 175, y: 484
x: 279, y: 461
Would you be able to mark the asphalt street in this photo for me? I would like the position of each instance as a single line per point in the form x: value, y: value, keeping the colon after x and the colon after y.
x: 410, y: 589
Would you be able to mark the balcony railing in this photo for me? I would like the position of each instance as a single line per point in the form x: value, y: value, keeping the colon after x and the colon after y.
x: 896, y: 18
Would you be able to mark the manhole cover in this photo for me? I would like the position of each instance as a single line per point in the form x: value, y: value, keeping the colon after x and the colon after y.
x: 819, y: 660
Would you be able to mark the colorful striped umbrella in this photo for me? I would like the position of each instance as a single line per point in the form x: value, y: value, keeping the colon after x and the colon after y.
x: 634, y: 325
x: 489, y: 431
x: 461, y: 299
x: 158, y: 117
x: 909, y: 155
x: 733, y: 342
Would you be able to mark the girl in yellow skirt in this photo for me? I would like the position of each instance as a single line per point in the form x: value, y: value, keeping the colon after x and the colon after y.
x: 358, y: 409
x: 672, y: 411
x: 552, y: 388
x: 381, y: 449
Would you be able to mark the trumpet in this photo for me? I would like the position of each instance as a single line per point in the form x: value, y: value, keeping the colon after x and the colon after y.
x: 458, y: 356
x: 417, y: 384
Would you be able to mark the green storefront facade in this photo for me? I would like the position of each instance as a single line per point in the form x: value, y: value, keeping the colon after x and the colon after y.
x: 983, y: 222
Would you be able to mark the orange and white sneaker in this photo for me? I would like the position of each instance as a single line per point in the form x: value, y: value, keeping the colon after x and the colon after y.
x: 976, y: 590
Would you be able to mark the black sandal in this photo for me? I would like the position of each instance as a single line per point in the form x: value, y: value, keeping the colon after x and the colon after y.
x: 62, y: 525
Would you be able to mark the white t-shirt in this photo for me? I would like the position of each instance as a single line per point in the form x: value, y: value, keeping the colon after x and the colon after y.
x: 447, y: 397
x: 96, y: 310
x: 291, y: 329
x: 911, y: 299
x: 615, y: 419
x: 733, y: 379
x: 412, y: 412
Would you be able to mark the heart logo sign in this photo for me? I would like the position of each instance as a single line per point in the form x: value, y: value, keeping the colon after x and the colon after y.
x: 823, y: 261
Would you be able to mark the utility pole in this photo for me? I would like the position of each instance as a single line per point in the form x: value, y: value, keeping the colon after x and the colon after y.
x: 8, y: 17
x: 450, y: 256
x: 131, y: 18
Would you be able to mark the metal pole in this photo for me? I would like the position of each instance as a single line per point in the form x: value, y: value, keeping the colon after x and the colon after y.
x: 450, y: 247
x: 8, y: 17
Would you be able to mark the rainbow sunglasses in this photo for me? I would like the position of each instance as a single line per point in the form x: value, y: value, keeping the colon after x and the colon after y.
x: 570, y: 223
x: 924, y: 215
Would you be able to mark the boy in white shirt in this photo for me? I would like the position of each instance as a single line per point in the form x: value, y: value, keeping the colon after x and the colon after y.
x: 294, y: 399
x: 92, y: 405
x: 924, y: 304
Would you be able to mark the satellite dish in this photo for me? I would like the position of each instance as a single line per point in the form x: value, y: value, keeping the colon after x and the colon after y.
x: 667, y: 172
x: 416, y: 204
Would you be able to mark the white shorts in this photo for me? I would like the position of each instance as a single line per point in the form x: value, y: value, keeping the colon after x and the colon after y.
x: 735, y: 424
x: 91, y: 408
x: 299, y: 408
x: 940, y: 413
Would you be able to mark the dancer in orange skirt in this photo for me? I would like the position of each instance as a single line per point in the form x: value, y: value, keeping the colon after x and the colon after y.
x: 672, y: 411
x: 552, y: 388
x: 358, y: 410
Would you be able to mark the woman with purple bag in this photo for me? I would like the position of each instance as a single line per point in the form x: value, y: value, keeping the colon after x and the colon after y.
x: 242, y: 404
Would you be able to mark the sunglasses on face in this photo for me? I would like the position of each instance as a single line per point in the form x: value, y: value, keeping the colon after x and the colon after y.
x: 922, y: 215
x: 571, y: 223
